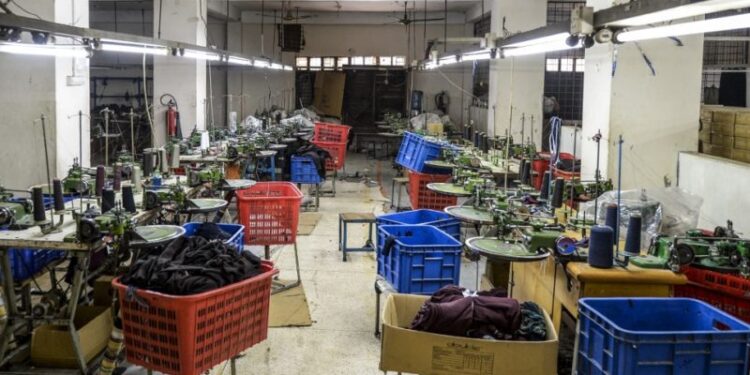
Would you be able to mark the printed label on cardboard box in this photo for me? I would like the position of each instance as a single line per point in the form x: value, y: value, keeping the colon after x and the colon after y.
x: 463, y: 359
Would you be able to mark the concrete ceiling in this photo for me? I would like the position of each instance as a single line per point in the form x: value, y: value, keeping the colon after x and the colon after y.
x: 309, y: 6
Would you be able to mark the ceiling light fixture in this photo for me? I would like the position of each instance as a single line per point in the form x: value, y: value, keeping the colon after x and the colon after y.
x: 685, y: 11
x: 201, y: 55
x: 288, y: 68
x: 129, y: 48
x: 276, y: 66
x: 477, y: 55
x: 261, y: 63
x: 741, y: 21
x: 239, y: 61
x: 45, y: 50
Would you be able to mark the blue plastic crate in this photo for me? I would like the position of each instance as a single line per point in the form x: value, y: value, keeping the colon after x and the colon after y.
x: 237, y: 230
x: 303, y: 170
x: 437, y: 219
x: 422, y: 259
x: 650, y: 336
x: 415, y: 150
x: 25, y: 263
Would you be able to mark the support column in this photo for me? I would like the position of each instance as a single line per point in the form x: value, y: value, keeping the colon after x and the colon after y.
x: 184, y: 78
x: 657, y: 114
x: 57, y: 87
x: 519, y: 80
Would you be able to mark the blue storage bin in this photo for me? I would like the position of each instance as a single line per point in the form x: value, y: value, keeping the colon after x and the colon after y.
x: 415, y: 150
x: 303, y: 170
x: 650, y: 336
x: 437, y: 219
x: 25, y: 263
x: 237, y: 230
x: 422, y: 259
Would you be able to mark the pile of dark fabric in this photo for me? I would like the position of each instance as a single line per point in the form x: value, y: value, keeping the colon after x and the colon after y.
x: 191, y: 265
x: 212, y: 231
x: 453, y: 310
x: 318, y: 156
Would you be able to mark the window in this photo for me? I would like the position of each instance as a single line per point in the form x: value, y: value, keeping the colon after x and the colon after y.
x: 358, y: 60
x: 385, y: 61
x: 329, y: 63
x: 566, y: 65
x: 580, y: 65
x: 342, y: 61
x: 315, y: 62
x: 302, y: 62
x: 553, y: 65
x: 371, y: 60
x: 399, y: 60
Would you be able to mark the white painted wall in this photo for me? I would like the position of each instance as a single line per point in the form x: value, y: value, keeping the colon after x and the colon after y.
x: 35, y: 85
x: 518, y: 80
x: 657, y: 115
x: 182, y: 77
x: 722, y: 183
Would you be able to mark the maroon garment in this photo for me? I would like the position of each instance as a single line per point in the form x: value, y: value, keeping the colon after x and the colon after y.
x: 448, y: 312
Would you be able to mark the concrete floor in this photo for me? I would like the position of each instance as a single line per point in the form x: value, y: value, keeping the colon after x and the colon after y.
x: 340, y: 295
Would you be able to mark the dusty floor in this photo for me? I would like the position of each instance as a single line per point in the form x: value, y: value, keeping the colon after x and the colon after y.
x: 341, y: 294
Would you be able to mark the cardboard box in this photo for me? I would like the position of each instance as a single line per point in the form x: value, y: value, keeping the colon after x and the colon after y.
x: 405, y: 350
x: 103, y: 291
x: 52, y: 346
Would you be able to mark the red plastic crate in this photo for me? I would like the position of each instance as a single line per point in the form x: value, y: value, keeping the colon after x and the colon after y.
x: 539, y: 166
x: 270, y: 213
x: 557, y: 173
x: 187, y: 335
x: 422, y: 197
x: 736, y: 306
x: 338, y: 154
x: 729, y: 284
x: 325, y: 132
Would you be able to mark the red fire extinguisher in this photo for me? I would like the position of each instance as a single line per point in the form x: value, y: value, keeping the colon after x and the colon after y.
x: 172, y: 116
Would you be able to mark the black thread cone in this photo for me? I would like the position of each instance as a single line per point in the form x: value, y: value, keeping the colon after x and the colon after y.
x: 633, y: 237
x: 527, y: 172
x: 600, y: 247
x: 557, y: 193
x: 37, y: 199
x: 544, y: 193
x: 610, y: 220
x: 57, y: 193
x: 117, y: 180
x: 108, y: 200
x: 128, y: 200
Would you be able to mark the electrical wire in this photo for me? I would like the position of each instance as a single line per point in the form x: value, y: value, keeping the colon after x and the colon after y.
x: 23, y: 9
x: 148, y: 110
x: 456, y: 85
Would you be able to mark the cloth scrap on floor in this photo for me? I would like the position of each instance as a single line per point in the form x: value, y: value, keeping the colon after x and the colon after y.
x: 455, y: 311
x: 191, y: 265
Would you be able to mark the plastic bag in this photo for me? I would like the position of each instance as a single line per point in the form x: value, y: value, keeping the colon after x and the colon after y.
x: 252, y: 123
x: 420, y: 122
x: 299, y: 120
x: 668, y: 211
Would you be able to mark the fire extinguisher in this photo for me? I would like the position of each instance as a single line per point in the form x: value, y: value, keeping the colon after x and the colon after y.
x: 172, y: 120
x: 174, y: 129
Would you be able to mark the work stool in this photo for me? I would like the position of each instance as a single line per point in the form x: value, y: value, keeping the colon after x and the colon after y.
x: 402, y: 183
x: 355, y: 218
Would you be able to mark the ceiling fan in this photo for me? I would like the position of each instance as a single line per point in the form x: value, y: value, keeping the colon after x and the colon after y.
x: 406, y: 21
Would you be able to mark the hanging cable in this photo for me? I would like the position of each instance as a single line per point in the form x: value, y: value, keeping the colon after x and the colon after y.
x: 555, y: 125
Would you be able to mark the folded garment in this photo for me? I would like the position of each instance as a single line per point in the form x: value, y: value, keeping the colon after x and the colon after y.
x: 192, y: 265
x: 453, y: 310
x: 212, y: 231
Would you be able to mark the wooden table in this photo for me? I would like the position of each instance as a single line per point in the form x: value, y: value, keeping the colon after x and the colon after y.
x: 546, y: 284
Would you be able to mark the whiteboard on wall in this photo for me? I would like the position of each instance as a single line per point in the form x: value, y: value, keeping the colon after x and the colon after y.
x: 723, y: 184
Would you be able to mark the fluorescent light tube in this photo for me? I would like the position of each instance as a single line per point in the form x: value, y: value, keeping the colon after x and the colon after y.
x: 542, y: 40
x: 447, y: 60
x: 477, y: 55
x: 685, y: 11
x: 538, y: 48
x: 260, y: 64
x: 200, y: 55
x: 239, y: 60
x: 741, y: 21
x: 44, y: 50
x: 128, y: 48
x: 276, y: 66
x: 288, y: 68
x: 430, y: 65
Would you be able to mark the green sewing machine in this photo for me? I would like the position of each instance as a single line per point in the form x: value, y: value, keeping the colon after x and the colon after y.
x: 173, y: 194
x: 77, y: 181
x: 209, y: 174
x: 15, y: 213
x: 723, y: 251
x: 585, y: 190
